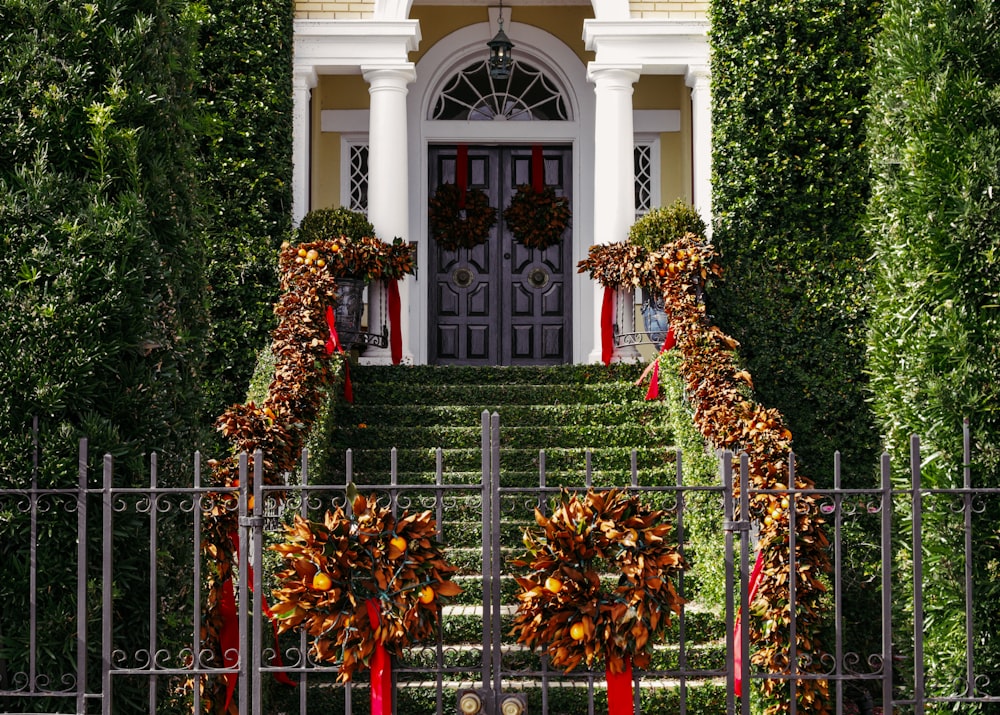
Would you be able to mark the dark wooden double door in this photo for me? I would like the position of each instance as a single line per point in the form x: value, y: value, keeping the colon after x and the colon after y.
x: 501, y: 303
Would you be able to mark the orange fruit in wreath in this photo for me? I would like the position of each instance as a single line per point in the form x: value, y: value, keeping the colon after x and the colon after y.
x: 322, y: 581
x: 553, y: 584
x: 427, y: 595
x: 399, y: 542
x: 577, y: 631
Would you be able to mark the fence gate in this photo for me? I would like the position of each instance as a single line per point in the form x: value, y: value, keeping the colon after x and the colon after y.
x: 85, y: 629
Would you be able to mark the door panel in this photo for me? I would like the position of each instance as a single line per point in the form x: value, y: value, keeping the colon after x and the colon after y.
x: 500, y: 303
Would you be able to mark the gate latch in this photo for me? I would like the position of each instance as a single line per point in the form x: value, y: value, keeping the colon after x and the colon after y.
x: 472, y: 701
x: 728, y: 525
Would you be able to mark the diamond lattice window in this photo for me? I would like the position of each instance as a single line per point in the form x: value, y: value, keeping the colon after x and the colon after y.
x: 358, y: 178
x: 528, y: 94
x: 643, y: 156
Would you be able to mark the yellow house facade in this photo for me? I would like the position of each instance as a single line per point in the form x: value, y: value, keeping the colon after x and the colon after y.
x: 606, y: 103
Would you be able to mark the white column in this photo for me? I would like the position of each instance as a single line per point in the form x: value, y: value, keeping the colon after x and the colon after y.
x: 698, y: 79
x: 614, y: 187
x: 388, y: 185
x: 303, y: 80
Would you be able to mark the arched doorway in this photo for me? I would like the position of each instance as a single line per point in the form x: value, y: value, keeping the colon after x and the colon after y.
x: 502, y: 303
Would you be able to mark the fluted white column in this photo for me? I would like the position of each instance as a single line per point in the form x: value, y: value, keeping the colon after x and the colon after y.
x: 614, y: 187
x: 303, y: 81
x: 698, y: 79
x: 388, y: 185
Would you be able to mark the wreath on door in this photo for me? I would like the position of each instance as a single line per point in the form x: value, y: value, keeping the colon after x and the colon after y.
x: 458, y: 221
x: 537, y: 218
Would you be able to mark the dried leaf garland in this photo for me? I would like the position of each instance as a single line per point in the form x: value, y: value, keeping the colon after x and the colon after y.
x: 362, y: 553
x: 278, y: 427
x: 455, y: 227
x: 566, y: 609
x: 727, y: 415
x: 537, y: 219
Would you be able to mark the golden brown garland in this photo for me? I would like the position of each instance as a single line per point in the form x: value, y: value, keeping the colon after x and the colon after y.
x: 333, y: 568
x: 278, y: 427
x: 455, y: 227
x: 537, y: 219
x: 726, y: 414
x: 563, y: 606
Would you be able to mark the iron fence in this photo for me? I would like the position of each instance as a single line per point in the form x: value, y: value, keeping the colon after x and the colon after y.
x: 87, y: 631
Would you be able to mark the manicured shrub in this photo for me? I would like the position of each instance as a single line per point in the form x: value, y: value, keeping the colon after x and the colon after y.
x: 245, y: 99
x: 789, y: 81
x: 935, y: 226
x: 665, y: 224
x: 330, y: 223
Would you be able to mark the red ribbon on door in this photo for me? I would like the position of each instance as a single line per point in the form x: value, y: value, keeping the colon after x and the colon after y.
x: 381, y: 669
x: 395, y: 329
x: 462, y: 173
x: 620, y: 701
x: 537, y: 168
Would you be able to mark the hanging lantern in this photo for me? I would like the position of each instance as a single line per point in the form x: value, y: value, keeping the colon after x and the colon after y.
x: 500, y: 51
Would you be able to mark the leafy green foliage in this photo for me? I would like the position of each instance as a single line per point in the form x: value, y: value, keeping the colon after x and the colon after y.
x: 790, y: 183
x: 665, y: 224
x: 102, y: 289
x: 330, y: 223
x: 245, y: 100
x: 101, y: 283
x: 935, y: 226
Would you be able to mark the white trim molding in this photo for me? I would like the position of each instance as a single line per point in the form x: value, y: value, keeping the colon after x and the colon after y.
x: 656, y: 46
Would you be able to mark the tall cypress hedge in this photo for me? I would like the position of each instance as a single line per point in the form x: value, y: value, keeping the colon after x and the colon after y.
x: 790, y: 183
x: 103, y: 317
x: 246, y: 99
x: 935, y: 329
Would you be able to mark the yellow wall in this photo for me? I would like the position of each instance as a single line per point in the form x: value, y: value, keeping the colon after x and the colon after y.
x: 334, y: 9
x: 566, y: 23
x: 669, y: 9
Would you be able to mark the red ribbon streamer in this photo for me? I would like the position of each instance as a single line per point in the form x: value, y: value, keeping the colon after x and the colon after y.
x: 279, y: 676
x: 758, y: 567
x: 607, y: 327
x: 537, y: 168
x: 395, y: 331
x: 620, y: 701
x: 654, y: 382
x: 229, y: 637
x: 333, y: 343
x: 462, y: 173
x: 670, y: 341
x: 381, y: 675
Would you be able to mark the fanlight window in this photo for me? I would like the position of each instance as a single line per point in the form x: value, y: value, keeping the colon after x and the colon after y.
x: 524, y: 96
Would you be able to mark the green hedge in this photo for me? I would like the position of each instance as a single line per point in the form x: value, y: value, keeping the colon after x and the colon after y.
x: 790, y: 182
x: 245, y: 97
x: 935, y: 226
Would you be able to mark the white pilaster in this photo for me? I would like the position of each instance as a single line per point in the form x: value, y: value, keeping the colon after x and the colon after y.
x: 698, y: 79
x: 614, y: 186
x: 303, y: 81
x: 388, y: 187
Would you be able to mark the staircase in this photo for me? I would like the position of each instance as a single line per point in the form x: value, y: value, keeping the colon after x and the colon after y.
x: 423, y: 426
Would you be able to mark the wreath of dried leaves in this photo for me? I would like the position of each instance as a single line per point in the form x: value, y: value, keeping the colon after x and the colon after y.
x: 565, y: 608
x: 720, y: 394
x: 365, y: 553
x: 537, y: 219
x: 456, y: 228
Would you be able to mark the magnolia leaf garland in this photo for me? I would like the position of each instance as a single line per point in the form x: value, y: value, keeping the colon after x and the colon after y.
x: 332, y: 569
x: 537, y: 219
x: 564, y: 606
x: 455, y: 227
